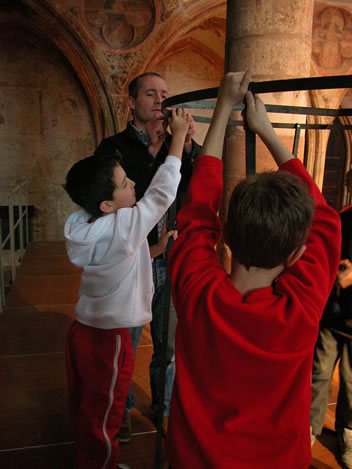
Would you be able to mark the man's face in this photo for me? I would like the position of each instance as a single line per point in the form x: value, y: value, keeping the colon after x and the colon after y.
x: 147, y: 105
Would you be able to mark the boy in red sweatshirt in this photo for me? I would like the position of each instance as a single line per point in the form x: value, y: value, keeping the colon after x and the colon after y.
x: 245, y: 341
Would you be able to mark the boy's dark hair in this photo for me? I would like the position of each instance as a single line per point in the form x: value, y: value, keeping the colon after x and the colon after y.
x: 89, y: 182
x: 135, y: 84
x: 270, y: 215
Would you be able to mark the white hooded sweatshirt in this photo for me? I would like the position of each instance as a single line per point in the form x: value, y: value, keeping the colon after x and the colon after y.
x: 116, y: 285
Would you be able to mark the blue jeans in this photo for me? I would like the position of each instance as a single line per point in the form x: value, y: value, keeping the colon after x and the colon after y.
x: 159, y: 277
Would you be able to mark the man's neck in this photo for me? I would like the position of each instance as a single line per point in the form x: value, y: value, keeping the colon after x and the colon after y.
x: 254, y: 278
x: 138, y: 124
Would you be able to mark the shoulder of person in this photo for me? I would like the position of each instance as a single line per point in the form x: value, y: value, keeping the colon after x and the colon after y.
x: 346, y: 211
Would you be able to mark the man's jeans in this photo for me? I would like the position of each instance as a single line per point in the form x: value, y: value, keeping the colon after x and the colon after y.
x: 330, y: 347
x: 159, y: 278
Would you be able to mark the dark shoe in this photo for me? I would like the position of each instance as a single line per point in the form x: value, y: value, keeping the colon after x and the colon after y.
x: 124, y: 434
x: 345, y: 444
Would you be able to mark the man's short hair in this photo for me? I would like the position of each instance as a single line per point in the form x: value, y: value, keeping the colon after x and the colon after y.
x: 135, y: 84
x: 270, y: 215
x: 90, y: 181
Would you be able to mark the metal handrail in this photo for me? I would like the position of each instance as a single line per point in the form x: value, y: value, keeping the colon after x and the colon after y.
x: 16, y: 197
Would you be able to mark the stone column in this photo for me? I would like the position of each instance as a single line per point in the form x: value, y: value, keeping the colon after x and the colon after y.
x: 272, y: 39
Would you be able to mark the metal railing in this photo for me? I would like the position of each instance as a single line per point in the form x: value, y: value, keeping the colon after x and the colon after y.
x: 15, y: 198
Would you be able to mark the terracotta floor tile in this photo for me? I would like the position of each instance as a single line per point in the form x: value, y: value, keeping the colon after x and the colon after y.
x: 43, y: 457
x: 145, y: 336
x: 68, y: 310
x: 33, y: 332
x: 53, y: 265
x: 140, y: 452
x: 53, y: 290
x: 45, y: 248
x: 325, y: 454
x: 33, y: 402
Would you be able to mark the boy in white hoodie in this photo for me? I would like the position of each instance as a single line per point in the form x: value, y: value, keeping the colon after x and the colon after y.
x: 108, y: 239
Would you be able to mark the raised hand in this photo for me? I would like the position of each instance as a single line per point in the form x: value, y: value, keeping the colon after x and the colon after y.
x: 256, y: 115
x: 179, y: 121
x: 233, y: 87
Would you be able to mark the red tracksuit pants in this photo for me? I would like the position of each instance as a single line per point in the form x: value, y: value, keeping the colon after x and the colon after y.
x: 99, y: 366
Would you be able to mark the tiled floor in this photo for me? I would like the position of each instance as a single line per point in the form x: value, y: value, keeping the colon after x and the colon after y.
x: 34, y: 425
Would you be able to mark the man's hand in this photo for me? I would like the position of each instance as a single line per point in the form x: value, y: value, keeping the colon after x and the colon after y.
x: 156, y: 130
x: 161, y: 246
x: 344, y: 275
x: 189, y: 135
x: 179, y: 121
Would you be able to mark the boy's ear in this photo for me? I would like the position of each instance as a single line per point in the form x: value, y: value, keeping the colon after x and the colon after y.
x: 131, y: 103
x: 106, y: 206
x: 295, y: 255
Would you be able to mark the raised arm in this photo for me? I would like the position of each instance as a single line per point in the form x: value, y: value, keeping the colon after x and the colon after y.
x: 178, y: 122
x: 259, y: 123
x: 232, y: 90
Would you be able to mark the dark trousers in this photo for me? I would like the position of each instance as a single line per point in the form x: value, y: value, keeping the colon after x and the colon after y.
x: 331, y: 347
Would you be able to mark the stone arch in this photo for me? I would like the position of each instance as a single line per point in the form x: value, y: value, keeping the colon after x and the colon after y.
x: 33, y: 18
x: 178, y: 30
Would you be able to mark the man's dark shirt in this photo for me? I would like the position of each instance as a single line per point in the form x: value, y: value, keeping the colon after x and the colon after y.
x: 141, y: 166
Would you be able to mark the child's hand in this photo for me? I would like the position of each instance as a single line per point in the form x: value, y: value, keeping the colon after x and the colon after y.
x: 233, y: 86
x: 344, y: 275
x: 179, y: 122
x: 256, y: 115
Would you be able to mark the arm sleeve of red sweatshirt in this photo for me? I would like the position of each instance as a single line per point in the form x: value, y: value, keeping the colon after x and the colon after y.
x: 310, y: 279
x: 198, y: 225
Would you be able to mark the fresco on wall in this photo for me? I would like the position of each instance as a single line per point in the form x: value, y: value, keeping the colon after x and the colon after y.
x: 120, y: 24
x: 332, y: 41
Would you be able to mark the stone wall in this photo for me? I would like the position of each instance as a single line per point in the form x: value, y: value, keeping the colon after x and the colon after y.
x: 45, y: 126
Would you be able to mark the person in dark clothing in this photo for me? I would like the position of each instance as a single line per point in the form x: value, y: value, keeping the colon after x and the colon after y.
x: 144, y: 145
x: 335, y: 343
